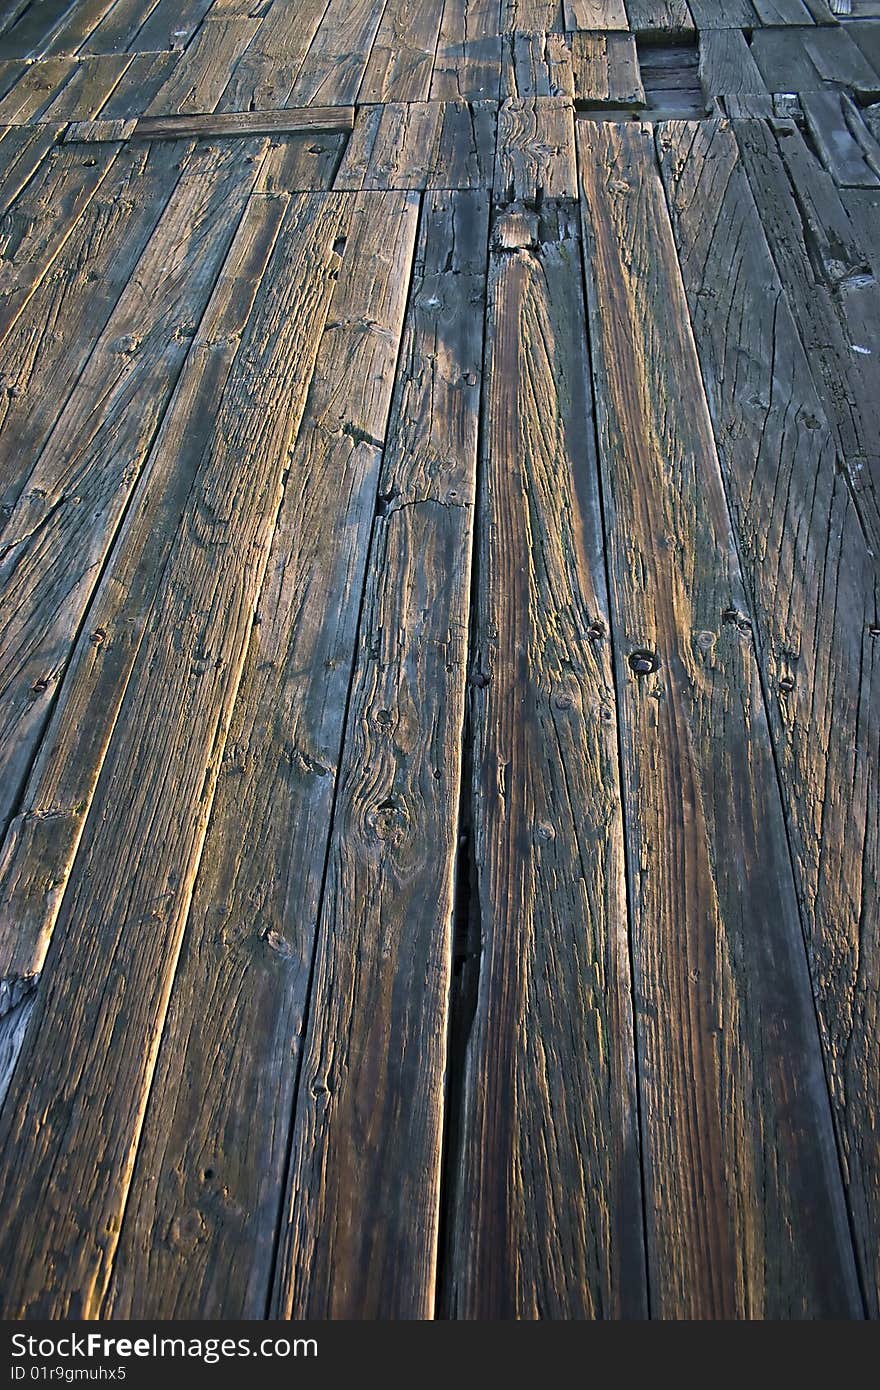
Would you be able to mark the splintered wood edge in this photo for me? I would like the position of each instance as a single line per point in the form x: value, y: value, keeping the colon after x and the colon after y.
x: 285, y: 122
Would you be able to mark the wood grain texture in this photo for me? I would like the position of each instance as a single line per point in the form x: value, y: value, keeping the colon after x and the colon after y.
x: 421, y: 145
x: 546, y: 1217
x: 660, y: 18
x: 535, y: 155
x: 595, y: 14
x: 606, y: 70
x: 212, y: 1160
x: 727, y: 68
x: 745, y: 1213
x: 76, y: 490
x: 467, y: 63
x: 265, y: 73
x: 198, y: 80
x: 81, y: 1120
x: 537, y: 65
x: 337, y: 59
x: 401, y: 60
x: 812, y: 586
x: 370, y: 1107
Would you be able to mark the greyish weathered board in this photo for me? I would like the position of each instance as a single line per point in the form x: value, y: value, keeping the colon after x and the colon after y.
x: 745, y: 1214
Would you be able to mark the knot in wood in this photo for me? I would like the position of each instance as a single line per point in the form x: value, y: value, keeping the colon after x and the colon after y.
x: 643, y: 662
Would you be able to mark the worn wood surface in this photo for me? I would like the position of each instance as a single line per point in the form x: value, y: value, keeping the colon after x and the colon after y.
x: 439, y: 725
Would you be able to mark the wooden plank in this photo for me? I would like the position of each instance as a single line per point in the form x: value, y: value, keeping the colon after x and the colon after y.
x: 71, y: 1123
x: 10, y: 71
x: 777, y: 12
x: 421, y: 145
x: 75, y: 492
x: 138, y: 86
x: 468, y: 59
x: 370, y: 1106
x: 837, y: 59
x: 595, y: 14
x: 536, y: 65
x: 866, y: 35
x: 745, y: 1215
x: 198, y: 80
x: 38, y: 223
x: 659, y: 18
x: 46, y: 351
x: 863, y: 208
x: 722, y: 14
x: 87, y: 88
x: 821, y: 266
x: 220, y: 124
x: 287, y: 727
x: 302, y: 163
x: 171, y: 24
x: 531, y: 16
x: 25, y: 38
x: 119, y: 28
x: 546, y: 1214
x: 34, y: 90
x: 606, y: 70
x: 726, y: 66
x: 335, y: 64
x: 784, y: 61
x: 401, y: 60
x: 812, y: 597
x: 848, y: 158
x: 266, y: 71
x: 76, y: 27
x: 22, y: 151
x: 535, y: 154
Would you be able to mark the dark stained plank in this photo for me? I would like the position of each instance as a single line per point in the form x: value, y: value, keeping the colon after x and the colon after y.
x: 401, y: 60
x: 727, y: 67
x: 370, y: 1106
x: 75, y: 491
x: 863, y: 208
x: 660, y: 18
x: 606, y: 70
x: 198, y: 80
x: 77, y: 25
x: 119, y: 27
x: 774, y: 12
x: 812, y: 586
x: 76, y: 1103
x: 266, y: 71
x: 49, y: 345
x: 595, y: 14
x: 845, y: 146
x: 536, y: 65
x: 546, y: 1217
x: 784, y: 61
x: 33, y: 28
x: 421, y: 145
x: 745, y: 1215
x: 535, y: 155
x: 837, y: 59
x: 22, y: 150
x: 212, y: 1160
x: 468, y: 59
x: 821, y: 268
x: 34, y: 90
x: 722, y: 14
x: 335, y: 64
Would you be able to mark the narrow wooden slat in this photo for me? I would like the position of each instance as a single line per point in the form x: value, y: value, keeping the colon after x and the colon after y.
x: 337, y: 59
x: 240, y: 123
x: 119, y: 27
x: 595, y: 14
x: 841, y: 152
x: 198, y: 80
x: 213, y: 1154
x: 836, y: 317
x: 87, y: 88
x: 727, y: 67
x: 546, y: 1218
x: 535, y: 153
x: 745, y: 1212
x: 266, y: 71
x: 421, y: 145
x: 606, y: 70
x: 537, y: 65
x: 659, y: 17
x: 70, y: 1126
x: 144, y: 77
x: 74, y: 493
x: 369, y: 1116
x: 468, y: 59
x: 172, y: 24
x: 24, y: 38
x: 401, y: 59
x: 32, y: 93
x: 22, y: 150
x: 813, y: 597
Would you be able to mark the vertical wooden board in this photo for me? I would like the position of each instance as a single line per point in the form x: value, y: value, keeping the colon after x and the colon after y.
x: 816, y: 270
x: 535, y: 155
x: 34, y: 90
x: 537, y: 65
x: 546, y: 1204
x: 360, y: 1230
x: 727, y: 68
x: 659, y: 17
x: 39, y: 221
x: 606, y: 70
x: 334, y: 66
x: 595, y: 14
x: 47, y: 349
x: 745, y: 1212
x: 198, y: 80
x: 265, y: 73
x: 211, y: 1163
x: 71, y: 1123
x: 813, y: 595
x: 75, y: 492
x: 401, y: 59
x: 467, y: 63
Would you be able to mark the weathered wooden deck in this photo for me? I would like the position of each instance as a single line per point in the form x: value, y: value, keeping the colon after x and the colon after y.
x: 439, y: 658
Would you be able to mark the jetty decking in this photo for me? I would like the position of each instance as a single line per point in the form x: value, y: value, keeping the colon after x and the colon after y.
x: 439, y: 658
